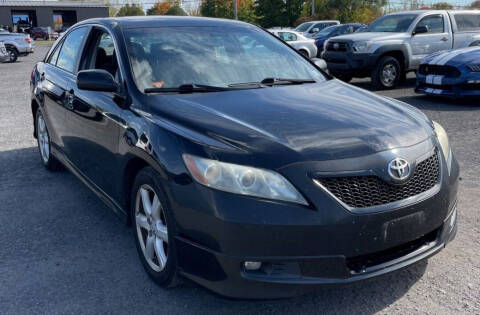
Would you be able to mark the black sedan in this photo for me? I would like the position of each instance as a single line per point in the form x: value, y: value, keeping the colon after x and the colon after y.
x: 239, y: 163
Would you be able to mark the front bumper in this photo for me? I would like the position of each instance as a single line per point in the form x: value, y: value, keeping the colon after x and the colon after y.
x: 349, y: 63
x: 303, y: 247
x: 449, y: 87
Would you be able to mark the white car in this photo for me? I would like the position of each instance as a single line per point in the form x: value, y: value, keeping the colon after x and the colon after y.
x: 309, y: 29
x: 4, y: 55
x: 306, y: 46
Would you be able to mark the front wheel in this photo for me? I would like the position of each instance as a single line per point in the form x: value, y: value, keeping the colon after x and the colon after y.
x: 153, y: 228
x: 344, y: 77
x: 304, y: 52
x: 387, y: 74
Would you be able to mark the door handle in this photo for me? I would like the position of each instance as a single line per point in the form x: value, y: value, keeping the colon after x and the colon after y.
x: 444, y: 39
x: 69, y: 97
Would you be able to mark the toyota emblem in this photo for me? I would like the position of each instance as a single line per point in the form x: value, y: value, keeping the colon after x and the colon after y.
x: 399, y: 169
x: 336, y: 46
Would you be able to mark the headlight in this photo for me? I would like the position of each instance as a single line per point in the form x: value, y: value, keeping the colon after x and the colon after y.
x: 361, y: 47
x: 242, y: 180
x: 443, y: 139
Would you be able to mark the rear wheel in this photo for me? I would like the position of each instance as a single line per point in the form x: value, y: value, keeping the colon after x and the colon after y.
x: 304, y: 52
x: 387, y: 74
x: 12, y: 53
x: 43, y: 141
x: 153, y: 228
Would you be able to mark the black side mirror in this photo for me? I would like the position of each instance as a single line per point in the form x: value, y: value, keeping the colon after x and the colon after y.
x: 96, y: 80
x: 420, y: 29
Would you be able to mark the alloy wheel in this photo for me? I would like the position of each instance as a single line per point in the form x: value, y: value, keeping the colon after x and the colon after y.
x: 43, y: 139
x: 389, y: 75
x: 151, y: 227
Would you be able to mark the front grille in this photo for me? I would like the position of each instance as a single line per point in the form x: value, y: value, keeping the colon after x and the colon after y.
x: 336, y: 46
x: 360, y: 263
x: 369, y: 191
x: 447, y: 71
x: 474, y: 68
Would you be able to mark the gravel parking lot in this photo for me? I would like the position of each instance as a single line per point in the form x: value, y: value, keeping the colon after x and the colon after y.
x: 63, y: 251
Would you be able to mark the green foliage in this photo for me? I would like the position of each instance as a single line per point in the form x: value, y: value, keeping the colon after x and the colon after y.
x: 207, y: 8
x: 175, y: 10
x: 475, y: 4
x: 246, y: 11
x: 159, y: 8
x: 130, y: 10
x: 271, y: 13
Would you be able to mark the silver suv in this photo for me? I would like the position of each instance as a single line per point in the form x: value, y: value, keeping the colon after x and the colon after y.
x: 397, y: 43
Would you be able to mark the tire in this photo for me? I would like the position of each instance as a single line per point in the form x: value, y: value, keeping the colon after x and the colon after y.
x: 387, y: 74
x: 304, y: 52
x: 344, y: 77
x: 45, y: 37
x: 13, y: 54
x: 145, y: 226
x: 43, y: 142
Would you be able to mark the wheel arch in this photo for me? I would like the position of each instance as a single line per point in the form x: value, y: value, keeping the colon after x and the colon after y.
x: 34, y: 106
x: 132, y: 168
x: 397, y: 54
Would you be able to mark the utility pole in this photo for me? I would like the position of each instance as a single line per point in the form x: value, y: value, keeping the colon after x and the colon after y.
x: 313, y: 7
x: 235, y: 14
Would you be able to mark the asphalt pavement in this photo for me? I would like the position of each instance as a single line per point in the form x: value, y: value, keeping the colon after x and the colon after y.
x: 62, y: 251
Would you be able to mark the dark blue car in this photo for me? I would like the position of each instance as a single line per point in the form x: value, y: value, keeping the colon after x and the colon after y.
x: 332, y: 31
x: 454, y: 73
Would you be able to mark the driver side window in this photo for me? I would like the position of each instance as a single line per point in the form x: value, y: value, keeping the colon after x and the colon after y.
x: 434, y: 23
x: 100, y: 54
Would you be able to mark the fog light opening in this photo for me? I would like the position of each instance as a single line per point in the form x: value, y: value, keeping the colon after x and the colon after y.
x: 252, y: 265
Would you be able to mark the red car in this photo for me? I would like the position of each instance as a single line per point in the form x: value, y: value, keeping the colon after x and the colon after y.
x: 45, y: 33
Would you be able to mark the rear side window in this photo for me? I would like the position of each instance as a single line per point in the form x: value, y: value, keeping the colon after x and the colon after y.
x: 434, y: 23
x: 287, y: 36
x: 467, y: 22
x: 71, y: 48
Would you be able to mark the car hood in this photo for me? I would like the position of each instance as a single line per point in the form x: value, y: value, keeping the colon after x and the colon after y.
x: 456, y: 57
x: 372, y: 36
x: 309, y: 122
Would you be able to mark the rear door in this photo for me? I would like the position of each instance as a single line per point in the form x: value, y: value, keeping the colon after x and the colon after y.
x: 437, y: 38
x: 57, y: 79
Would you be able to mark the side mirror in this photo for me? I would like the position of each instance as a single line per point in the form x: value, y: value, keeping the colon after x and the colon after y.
x: 420, y: 29
x: 314, y: 30
x: 96, y: 80
x: 320, y: 63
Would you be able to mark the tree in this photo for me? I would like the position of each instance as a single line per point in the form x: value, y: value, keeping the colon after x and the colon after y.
x: 175, y: 10
x: 271, y: 13
x: 207, y: 8
x: 475, y: 4
x: 130, y: 10
x: 246, y: 11
x: 159, y: 8
x: 442, y: 6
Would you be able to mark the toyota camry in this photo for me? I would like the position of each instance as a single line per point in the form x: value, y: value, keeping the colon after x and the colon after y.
x: 238, y: 162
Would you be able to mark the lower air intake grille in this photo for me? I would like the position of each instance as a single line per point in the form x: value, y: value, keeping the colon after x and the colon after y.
x: 369, y: 191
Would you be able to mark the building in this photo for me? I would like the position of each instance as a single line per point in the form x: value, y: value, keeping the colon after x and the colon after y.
x: 55, y: 14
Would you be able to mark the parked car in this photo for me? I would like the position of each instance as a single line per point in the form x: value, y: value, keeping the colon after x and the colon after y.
x: 332, y: 31
x: 453, y: 73
x: 309, y: 29
x: 45, y: 33
x: 17, y: 44
x: 239, y: 163
x: 4, y: 55
x: 397, y: 43
x: 306, y: 46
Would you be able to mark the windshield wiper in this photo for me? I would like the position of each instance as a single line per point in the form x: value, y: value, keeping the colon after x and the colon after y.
x: 188, y: 88
x: 282, y: 81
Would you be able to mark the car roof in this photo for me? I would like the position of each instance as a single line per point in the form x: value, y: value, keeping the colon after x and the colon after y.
x: 159, y: 21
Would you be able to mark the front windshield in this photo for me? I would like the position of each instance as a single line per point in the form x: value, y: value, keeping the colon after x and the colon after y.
x: 303, y: 27
x: 326, y: 31
x: 169, y: 57
x: 397, y: 23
